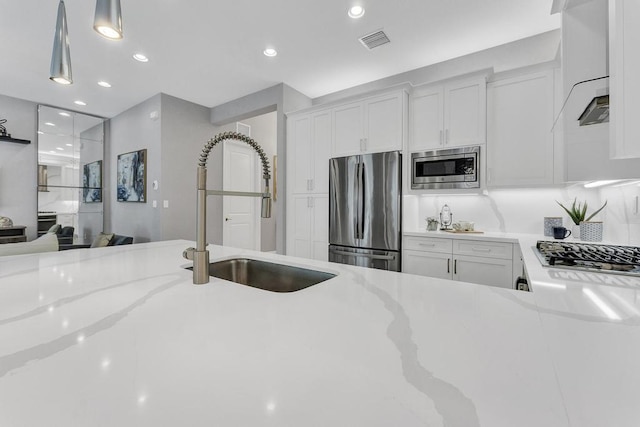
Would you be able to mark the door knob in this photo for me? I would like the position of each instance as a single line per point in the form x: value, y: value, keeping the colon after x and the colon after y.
x: 227, y: 219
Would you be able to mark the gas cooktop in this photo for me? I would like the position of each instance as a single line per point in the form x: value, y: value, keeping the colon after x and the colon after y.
x: 590, y: 257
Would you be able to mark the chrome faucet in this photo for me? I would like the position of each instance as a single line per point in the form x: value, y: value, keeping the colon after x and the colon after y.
x: 200, y: 255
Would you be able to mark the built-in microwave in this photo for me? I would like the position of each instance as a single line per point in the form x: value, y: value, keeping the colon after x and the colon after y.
x: 446, y: 169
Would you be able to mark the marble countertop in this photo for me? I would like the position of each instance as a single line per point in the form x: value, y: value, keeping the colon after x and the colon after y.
x: 120, y: 336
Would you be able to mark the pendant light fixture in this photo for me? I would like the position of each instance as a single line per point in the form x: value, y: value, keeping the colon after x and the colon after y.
x: 108, y: 19
x: 61, y: 58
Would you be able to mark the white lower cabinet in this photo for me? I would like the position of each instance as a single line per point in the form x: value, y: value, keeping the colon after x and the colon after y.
x: 432, y: 264
x: 308, y: 226
x: 476, y: 261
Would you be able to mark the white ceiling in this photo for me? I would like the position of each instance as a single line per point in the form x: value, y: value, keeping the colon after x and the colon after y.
x: 210, y: 51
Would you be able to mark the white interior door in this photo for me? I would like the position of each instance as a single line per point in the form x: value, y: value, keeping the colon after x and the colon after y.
x: 241, y: 215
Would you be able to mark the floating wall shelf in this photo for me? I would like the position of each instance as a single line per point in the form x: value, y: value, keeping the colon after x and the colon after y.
x: 18, y: 141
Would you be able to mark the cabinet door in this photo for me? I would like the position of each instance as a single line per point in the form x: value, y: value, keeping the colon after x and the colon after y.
x: 624, y: 67
x: 465, y: 113
x: 519, y: 137
x: 383, y: 123
x: 483, y: 271
x: 320, y: 228
x: 426, y: 119
x: 299, y: 153
x: 321, y: 149
x: 430, y: 264
x: 348, y: 129
x: 299, y: 227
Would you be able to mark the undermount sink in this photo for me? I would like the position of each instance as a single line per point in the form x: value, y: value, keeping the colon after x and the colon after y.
x: 267, y: 275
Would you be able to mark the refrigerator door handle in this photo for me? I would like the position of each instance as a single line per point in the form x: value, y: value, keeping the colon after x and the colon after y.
x: 356, y: 218
x: 372, y: 256
x: 361, y: 193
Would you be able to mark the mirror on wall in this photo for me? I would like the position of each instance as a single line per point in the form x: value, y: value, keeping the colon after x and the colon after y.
x: 70, y: 174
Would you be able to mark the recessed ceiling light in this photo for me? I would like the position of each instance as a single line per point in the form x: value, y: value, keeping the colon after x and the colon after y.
x: 50, y: 124
x: 356, y: 12
x: 40, y: 132
x: 52, y: 152
x: 80, y: 103
x: 63, y: 114
x: 270, y: 52
x: 140, y: 57
x: 69, y: 145
x: 60, y: 148
x: 104, y: 84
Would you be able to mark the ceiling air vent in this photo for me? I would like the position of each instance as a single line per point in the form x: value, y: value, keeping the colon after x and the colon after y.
x: 375, y: 39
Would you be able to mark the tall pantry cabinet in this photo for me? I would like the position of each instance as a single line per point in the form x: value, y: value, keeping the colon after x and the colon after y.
x: 308, y: 151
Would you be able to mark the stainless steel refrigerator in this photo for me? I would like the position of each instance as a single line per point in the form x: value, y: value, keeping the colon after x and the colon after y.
x: 365, y: 210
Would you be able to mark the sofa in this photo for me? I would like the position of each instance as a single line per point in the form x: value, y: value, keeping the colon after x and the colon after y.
x: 102, y: 240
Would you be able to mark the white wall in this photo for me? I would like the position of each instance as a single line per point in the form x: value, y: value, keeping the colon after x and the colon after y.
x: 18, y: 164
x: 534, y: 50
x: 522, y: 210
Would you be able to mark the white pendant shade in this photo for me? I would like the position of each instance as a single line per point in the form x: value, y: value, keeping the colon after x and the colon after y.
x: 61, y: 58
x: 108, y: 19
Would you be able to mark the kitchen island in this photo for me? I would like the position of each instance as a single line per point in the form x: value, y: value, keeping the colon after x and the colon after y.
x: 121, y: 336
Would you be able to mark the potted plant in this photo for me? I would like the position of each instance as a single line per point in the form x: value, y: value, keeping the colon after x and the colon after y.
x: 590, y: 231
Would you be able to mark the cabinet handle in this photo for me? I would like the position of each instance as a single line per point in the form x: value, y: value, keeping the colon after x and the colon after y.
x: 311, y: 184
x: 361, y: 144
x: 430, y: 245
x: 441, y: 137
x: 365, y: 144
x: 309, y: 202
x: 455, y: 266
x: 448, y: 265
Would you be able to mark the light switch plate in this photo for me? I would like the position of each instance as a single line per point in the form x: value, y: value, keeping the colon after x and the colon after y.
x: 154, y: 203
x: 165, y: 203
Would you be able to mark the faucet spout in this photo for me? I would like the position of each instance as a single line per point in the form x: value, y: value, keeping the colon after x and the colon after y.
x: 200, y: 255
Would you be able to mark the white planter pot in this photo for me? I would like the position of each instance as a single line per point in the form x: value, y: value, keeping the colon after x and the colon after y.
x: 575, y: 231
x: 591, y: 231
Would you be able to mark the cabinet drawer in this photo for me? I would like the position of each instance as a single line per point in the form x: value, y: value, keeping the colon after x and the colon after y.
x: 427, y: 244
x: 483, y: 249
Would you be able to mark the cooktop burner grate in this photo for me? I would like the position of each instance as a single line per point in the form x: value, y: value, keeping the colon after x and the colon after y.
x: 589, y: 256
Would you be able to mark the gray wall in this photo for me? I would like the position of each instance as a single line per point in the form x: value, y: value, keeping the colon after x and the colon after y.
x: 173, y: 137
x: 186, y: 127
x: 264, y: 131
x: 281, y: 99
x: 131, y: 131
x: 18, y: 164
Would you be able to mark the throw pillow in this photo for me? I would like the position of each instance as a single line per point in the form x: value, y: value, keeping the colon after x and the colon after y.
x: 54, y: 229
x: 102, y: 240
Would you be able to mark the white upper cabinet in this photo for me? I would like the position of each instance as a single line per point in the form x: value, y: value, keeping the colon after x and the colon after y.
x: 372, y: 125
x: 520, y: 144
x: 624, y: 69
x: 426, y: 118
x: 451, y: 115
x: 309, y: 142
x: 348, y: 129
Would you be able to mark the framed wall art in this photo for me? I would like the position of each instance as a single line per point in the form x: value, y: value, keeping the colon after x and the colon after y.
x: 92, y: 182
x: 132, y: 176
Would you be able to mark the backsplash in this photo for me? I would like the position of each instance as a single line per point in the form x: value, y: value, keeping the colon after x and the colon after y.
x: 523, y: 210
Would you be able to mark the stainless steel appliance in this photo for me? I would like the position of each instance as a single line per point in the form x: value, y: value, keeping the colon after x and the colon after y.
x: 590, y: 257
x: 365, y: 210
x: 446, y: 169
